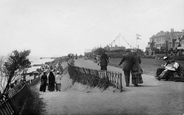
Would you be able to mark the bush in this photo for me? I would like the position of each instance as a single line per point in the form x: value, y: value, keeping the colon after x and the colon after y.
x: 34, y: 105
x: 88, y: 79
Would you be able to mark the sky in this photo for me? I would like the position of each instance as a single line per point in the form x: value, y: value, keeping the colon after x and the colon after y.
x: 59, y: 27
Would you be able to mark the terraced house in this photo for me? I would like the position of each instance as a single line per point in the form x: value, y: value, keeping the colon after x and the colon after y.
x: 166, y: 43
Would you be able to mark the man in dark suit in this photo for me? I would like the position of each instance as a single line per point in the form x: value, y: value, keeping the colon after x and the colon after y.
x: 127, y: 62
x: 104, y: 60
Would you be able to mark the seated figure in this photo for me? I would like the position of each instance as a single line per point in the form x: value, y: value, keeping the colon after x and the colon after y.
x: 169, y: 70
x: 162, y: 68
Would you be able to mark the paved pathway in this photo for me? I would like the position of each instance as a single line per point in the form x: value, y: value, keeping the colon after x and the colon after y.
x: 151, y: 98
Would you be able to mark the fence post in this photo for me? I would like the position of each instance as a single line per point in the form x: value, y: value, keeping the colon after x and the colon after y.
x: 121, y: 87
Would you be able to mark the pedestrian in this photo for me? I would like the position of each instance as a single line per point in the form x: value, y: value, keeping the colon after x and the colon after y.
x: 136, y: 69
x: 51, y: 85
x: 43, y: 82
x: 58, y: 81
x: 127, y: 61
x: 104, y: 60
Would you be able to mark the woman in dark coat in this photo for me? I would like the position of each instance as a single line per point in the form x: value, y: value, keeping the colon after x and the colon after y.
x: 43, y: 82
x: 136, y: 70
x: 51, y: 86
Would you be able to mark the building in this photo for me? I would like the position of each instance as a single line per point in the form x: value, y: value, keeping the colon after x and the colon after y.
x: 165, y: 42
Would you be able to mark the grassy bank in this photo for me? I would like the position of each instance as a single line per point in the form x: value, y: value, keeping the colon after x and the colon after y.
x: 35, y: 105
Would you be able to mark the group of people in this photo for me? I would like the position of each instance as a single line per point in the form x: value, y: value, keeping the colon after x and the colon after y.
x: 168, y: 70
x: 131, y: 66
x: 52, y: 81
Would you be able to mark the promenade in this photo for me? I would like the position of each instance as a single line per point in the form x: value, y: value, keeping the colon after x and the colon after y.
x: 153, y: 97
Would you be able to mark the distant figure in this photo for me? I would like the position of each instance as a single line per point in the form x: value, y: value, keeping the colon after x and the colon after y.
x: 51, y: 82
x: 76, y: 56
x: 43, y: 82
x: 162, y: 68
x: 104, y: 60
x: 136, y: 69
x: 58, y: 81
x: 127, y: 62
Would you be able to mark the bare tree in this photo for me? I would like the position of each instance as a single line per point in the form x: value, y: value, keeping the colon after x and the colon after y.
x: 15, y: 64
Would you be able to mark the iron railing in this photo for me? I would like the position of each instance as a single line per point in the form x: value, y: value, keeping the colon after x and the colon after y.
x: 115, y: 78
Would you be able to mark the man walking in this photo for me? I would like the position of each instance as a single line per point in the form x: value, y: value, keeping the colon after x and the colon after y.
x: 127, y: 61
x: 104, y: 60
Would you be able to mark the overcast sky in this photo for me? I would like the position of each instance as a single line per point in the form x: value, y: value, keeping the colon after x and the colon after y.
x: 59, y: 27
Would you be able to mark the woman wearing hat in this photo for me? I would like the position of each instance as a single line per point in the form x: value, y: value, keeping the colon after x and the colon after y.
x: 43, y: 82
x: 51, y: 86
x: 136, y: 69
x: 162, y: 68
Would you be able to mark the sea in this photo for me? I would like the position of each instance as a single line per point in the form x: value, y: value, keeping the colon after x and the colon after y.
x: 38, y: 61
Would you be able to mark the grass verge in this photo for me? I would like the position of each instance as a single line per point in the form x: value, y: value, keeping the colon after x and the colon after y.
x: 35, y: 105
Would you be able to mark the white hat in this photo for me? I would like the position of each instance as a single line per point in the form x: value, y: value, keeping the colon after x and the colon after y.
x: 165, y: 57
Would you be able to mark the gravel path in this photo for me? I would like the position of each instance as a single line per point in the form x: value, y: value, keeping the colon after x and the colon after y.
x: 151, y: 98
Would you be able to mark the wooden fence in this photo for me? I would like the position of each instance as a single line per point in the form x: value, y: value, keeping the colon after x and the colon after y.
x: 115, y: 78
x: 17, y: 100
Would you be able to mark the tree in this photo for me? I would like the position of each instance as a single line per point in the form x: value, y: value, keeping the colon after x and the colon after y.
x: 2, y: 75
x: 15, y: 64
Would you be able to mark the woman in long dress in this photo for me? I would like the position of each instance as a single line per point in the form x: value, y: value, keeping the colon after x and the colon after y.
x: 43, y: 82
x: 51, y: 86
x: 136, y: 70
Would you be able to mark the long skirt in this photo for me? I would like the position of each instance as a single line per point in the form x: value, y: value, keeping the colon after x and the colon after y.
x: 137, y: 79
x: 159, y: 71
x: 51, y: 87
x: 166, y: 74
x: 43, y: 86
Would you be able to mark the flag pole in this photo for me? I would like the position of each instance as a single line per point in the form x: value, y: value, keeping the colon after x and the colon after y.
x: 137, y: 38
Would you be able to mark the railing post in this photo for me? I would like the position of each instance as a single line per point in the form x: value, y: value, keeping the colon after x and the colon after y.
x: 121, y: 87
